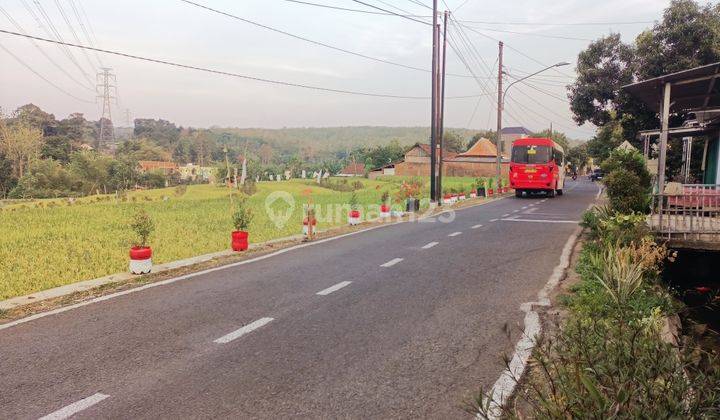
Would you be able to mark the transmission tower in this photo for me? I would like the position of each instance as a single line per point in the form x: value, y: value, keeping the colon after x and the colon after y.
x: 105, y: 84
x: 128, y: 120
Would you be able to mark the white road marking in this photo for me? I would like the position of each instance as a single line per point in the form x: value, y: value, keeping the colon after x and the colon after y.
x: 214, y: 269
x: 430, y: 245
x: 476, y: 227
x: 333, y: 288
x: 494, y: 220
x: 524, y: 207
x: 244, y: 330
x: 392, y: 262
x: 515, y: 211
x: 506, y: 215
x: 574, y: 222
x: 505, y: 385
x: 74, y: 408
x: 455, y: 234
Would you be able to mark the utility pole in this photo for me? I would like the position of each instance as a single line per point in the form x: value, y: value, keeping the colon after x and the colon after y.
x: 433, y: 111
x: 442, y: 112
x: 104, y: 85
x: 498, y: 140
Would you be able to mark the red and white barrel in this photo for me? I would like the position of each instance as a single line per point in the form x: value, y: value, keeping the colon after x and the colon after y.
x: 473, y: 195
x: 447, y: 199
x: 354, y: 217
x: 489, y: 192
x: 384, y: 211
x: 462, y: 196
x: 240, y: 241
x: 140, y: 260
x: 306, y: 224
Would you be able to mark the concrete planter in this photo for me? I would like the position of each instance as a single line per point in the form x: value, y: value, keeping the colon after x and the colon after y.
x: 140, y: 260
x: 239, y: 241
x: 354, y: 217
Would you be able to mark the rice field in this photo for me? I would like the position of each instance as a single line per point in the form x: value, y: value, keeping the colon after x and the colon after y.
x: 50, y: 243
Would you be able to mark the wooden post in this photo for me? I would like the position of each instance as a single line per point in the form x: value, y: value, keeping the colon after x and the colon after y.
x: 664, y: 118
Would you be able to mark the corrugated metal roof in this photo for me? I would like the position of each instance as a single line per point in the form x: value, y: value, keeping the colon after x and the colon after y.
x: 481, y: 148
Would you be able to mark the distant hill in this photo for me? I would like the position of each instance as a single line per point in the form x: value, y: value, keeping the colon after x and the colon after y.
x: 331, y: 139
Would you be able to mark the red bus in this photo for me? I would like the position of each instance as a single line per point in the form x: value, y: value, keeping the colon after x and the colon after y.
x: 537, y: 165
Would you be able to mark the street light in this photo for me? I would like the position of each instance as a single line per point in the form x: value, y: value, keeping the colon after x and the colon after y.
x: 501, y: 105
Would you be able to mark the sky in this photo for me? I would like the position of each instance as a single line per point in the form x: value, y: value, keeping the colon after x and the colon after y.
x: 176, y: 31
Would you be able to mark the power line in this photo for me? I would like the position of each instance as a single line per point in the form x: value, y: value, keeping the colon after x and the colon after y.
x: 494, y: 22
x: 42, y: 51
x: 327, y: 6
x: 72, y: 31
x: 84, y: 29
x: 302, y: 38
x: 226, y: 73
x: 567, y: 38
x: 48, y: 81
x: 58, y: 37
x: 393, y: 13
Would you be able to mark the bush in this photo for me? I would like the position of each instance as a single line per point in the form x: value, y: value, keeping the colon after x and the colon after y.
x: 143, y: 226
x: 631, y: 161
x: 242, y: 216
x: 626, y: 193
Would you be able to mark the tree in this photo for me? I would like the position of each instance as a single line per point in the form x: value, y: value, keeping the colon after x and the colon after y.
x: 266, y: 154
x: 58, y: 148
x: 688, y: 36
x: 142, y: 149
x: 45, y: 178
x: 7, y: 178
x: 20, y: 143
x: 34, y: 117
x: 453, y: 142
x: 578, y: 156
x: 162, y: 132
x: 557, y: 136
x: 607, y: 138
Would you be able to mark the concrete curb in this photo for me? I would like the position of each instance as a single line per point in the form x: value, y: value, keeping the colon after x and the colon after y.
x: 86, y: 285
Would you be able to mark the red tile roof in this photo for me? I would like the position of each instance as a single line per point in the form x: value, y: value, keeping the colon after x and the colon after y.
x: 354, y: 169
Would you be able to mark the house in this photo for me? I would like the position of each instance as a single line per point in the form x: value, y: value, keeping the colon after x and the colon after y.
x: 353, y: 169
x: 417, y: 161
x: 478, y: 161
x: 509, y: 134
x: 192, y: 172
x: 388, y: 170
x: 156, y: 165
x: 686, y: 214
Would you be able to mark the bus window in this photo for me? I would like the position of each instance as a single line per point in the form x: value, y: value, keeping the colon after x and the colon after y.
x: 531, y: 154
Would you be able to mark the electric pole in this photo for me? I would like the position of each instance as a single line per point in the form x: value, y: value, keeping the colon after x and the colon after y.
x: 105, y: 79
x: 433, y: 110
x: 441, y: 125
x: 498, y: 137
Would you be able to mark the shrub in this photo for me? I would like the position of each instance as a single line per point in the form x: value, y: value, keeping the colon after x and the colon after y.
x: 143, y: 226
x: 385, y: 197
x: 626, y: 192
x: 242, y: 216
x: 354, y: 203
x: 631, y: 161
x: 411, y: 189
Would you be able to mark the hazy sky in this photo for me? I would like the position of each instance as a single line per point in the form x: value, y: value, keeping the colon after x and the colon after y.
x: 176, y: 31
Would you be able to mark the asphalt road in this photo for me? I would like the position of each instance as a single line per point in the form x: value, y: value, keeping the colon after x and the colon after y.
x: 405, y: 338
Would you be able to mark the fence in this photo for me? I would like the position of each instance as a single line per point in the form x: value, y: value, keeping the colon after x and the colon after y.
x: 691, y: 213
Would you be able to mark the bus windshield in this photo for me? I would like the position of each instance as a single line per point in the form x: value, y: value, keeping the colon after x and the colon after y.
x: 531, y: 154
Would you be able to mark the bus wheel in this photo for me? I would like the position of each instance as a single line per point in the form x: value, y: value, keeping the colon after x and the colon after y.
x: 551, y: 193
x: 559, y: 192
x: 518, y: 193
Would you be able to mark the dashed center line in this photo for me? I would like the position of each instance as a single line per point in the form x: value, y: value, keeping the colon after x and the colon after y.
x: 506, y: 215
x: 455, y: 234
x: 76, y: 407
x: 515, y: 211
x: 476, y: 227
x: 430, y: 245
x: 494, y: 220
x: 335, y: 288
x: 244, y: 330
x: 391, y: 262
